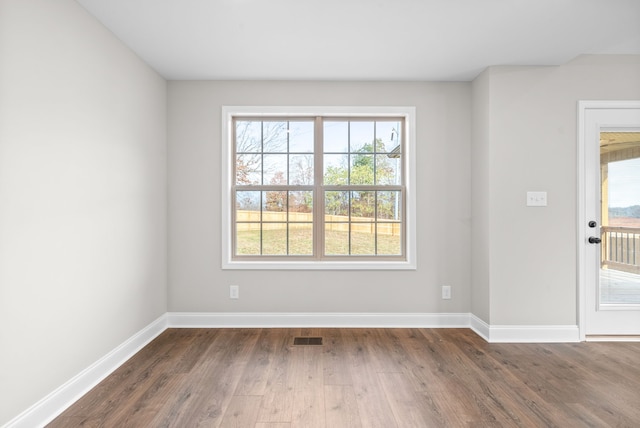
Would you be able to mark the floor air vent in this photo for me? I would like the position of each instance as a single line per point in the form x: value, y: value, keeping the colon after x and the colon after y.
x: 307, y: 341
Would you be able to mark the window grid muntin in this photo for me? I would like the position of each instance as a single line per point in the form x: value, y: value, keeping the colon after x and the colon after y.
x: 375, y: 153
x: 262, y: 152
x: 318, y: 220
x: 375, y: 221
x: 262, y: 204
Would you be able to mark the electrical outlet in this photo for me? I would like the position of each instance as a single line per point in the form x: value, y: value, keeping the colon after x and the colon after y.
x: 536, y: 199
x: 446, y: 292
x: 234, y: 291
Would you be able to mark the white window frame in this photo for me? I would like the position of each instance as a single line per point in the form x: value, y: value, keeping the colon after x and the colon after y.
x: 409, y: 152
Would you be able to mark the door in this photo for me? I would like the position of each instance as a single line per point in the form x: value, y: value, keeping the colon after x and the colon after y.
x: 609, y: 218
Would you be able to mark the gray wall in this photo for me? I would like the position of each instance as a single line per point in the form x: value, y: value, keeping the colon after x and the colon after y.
x: 530, y: 139
x: 480, y: 197
x: 82, y: 197
x: 197, y: 282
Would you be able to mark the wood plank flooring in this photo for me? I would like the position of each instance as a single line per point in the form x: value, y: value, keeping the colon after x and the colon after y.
x: 363, y: 378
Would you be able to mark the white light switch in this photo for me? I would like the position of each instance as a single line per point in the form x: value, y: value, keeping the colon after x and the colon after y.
x: 536, y: 199
x: 234, y: 291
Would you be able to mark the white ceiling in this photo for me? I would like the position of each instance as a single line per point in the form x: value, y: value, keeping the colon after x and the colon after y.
x: 433, y: 40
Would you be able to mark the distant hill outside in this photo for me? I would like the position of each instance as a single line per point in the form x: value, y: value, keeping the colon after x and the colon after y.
x: 624, y: 216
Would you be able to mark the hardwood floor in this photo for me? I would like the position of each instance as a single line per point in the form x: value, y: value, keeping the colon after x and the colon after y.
x: 363, y: 378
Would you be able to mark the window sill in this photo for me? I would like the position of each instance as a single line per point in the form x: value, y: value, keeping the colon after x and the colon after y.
x: 346, y: 265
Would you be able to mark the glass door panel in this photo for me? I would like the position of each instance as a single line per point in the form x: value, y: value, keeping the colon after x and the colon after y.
x: 619, y: 283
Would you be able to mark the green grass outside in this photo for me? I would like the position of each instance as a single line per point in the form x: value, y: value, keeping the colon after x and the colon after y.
x: 301, y: 243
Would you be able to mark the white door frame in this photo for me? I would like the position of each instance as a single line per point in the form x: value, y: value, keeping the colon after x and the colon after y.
x: 582, y: 233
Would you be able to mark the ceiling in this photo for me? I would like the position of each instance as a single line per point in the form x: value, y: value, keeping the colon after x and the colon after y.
x: 427, y: 40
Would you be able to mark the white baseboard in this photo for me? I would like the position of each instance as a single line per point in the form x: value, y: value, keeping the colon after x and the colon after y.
x: 524, y: 333
x: 306, y: 320
x: 481, y: 328
x: 45, y: 410
x: 55, y: 403
x: 493, y: 334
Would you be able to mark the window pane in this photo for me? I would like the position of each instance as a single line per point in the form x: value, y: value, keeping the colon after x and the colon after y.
x: 336, y: 170
x: 301, y: 169
x: 248, y: 239
x: 247, y: 206
x: 389, y: 205
x: 336, y: 239
x: 361, y: 137
x: 336, y: 203
x: 274, y: 206
x: 274, y: 137
x: 336, y: 137
x: 248, y: 169
x: 388, y: 169
x: 363, y: 239
x: 275, y: 169
x: 361, y: 157
x: 387, y: 136
x: 248, y: 136
x: 301, y: 206
x: 389, y: 239
x: 301, y: 239
x: 363, y: 206
x: 301, y: 137
x: 274, y: 239
x: 362, y: 168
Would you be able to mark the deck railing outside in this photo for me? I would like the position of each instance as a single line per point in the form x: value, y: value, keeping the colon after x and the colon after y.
x: 621, y: 248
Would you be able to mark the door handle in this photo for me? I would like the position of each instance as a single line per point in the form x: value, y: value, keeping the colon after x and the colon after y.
x: 594, y: 240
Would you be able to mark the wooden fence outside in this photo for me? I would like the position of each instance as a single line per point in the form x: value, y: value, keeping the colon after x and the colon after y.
x: 250, y: 220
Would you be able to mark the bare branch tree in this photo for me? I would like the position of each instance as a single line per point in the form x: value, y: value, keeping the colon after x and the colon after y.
x: 252, y: 139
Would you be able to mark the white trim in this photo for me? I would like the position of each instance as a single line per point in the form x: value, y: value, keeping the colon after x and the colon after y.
x: 493, y: 334
x: 305, y: 320
x: 319, y: 265
x: 480, y: 327
x: 611, y: 104
x: 581, y: 214
x: 342, y: 111
x: 524, y: 333
x: 533, y: 334
x: 409, y: 114
x: 48, y: 408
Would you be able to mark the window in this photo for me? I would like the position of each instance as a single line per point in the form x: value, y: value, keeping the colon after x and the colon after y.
x: 318, y: 188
